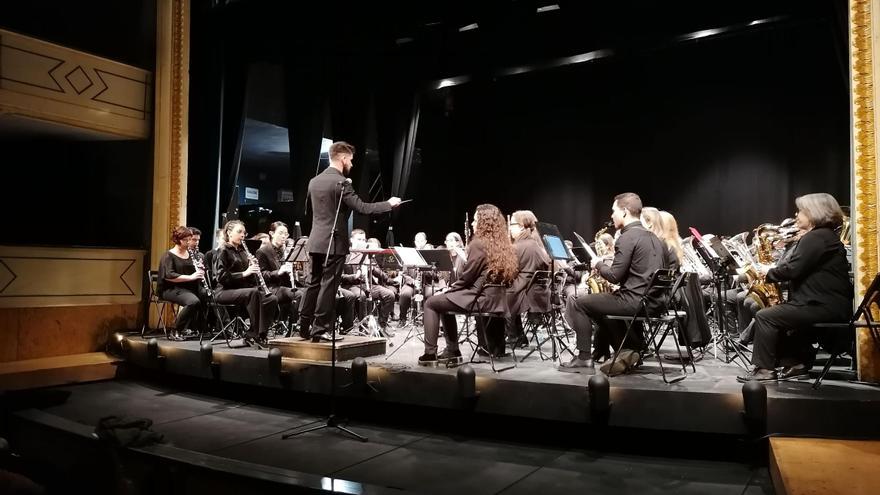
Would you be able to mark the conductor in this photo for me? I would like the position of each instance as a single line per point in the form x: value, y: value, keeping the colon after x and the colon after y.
x: 317, y: 313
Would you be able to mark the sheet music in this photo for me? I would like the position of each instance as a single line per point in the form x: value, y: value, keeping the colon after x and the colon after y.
x: 586, y: 246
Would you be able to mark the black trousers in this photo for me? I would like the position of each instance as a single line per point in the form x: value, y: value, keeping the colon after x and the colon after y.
x: 436, y: 308
x: 260, y: 307
x: 346, y: 301
x: 406, y: 294
x: 582, y: 311
x: 288, y: 302
x: 383, y: 297
x: 783, y: 336
x: 318, y: 307
x: 192, y: 306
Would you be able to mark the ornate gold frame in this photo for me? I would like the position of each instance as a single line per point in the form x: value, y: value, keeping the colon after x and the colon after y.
x: 864, y: 166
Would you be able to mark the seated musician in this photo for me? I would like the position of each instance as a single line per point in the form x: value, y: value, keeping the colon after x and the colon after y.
x: 278, y: 276
x: 237, y: 283
x: 421, y: 241
x: 653, y: 221
x: 180, y: 282
x: 817, y: 272
x: 523, y: 296
x: 491, y: 258
x: 355, y: 275
x: 212, y: 253
x: 638, y: 254
x: 454, y: 244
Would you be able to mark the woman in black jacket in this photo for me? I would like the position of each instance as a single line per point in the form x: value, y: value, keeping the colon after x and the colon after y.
x: 819, y: 291
x: 490, y: 260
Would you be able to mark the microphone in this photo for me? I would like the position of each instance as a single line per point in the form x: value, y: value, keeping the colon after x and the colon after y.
x: 344, y: 181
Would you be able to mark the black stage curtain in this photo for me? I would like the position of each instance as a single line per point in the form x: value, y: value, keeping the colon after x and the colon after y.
x: 723, y: 133
x: 305, y: 109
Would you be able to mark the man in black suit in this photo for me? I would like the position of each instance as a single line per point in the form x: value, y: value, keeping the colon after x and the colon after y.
x: 325, y: 191
x: 638, y: 253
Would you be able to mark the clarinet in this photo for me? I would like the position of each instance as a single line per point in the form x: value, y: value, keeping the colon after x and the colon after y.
x: 467, y: 229
x: 200, y: 266
x: 260, y: 279
x: 288, y: 247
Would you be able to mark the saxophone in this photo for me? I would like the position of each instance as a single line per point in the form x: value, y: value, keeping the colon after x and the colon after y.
x: 765, y: 293
x: 201, y: 266
x: 260, y: 279
x: 595, y: 282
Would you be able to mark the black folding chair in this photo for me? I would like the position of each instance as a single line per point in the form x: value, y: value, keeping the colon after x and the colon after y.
x: 474, y: 311
x: 663, y: 284
x: 155, y: 302
x: 839, y: 338
x: 547, y: 320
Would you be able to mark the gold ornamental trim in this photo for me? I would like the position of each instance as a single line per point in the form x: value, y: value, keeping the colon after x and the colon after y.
x: 864, y: 142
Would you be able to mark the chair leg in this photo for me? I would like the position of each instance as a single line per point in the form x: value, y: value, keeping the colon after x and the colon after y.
x: 825, y: 370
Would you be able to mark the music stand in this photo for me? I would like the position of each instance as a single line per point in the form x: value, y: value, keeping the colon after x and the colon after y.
x: 411, y: 258
x: 723, y: 265
x: 555, y: 247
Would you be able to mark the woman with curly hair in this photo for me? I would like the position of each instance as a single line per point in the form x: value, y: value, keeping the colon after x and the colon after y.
x: 491, y: 259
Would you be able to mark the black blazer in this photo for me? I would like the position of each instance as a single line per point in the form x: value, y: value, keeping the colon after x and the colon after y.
x: 324, y: 191
x: 817, y: 271
x: 229, y: 266
x: 268, y: 258
x: 638, y: 253
x: 531, y: 258
x: 472, y: 278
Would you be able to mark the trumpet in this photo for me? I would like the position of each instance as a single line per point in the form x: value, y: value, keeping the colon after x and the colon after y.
x: 260, y: 279
x: 201, y: 266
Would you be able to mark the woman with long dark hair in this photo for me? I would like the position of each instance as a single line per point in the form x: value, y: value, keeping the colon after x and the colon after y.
x: 491, y: 259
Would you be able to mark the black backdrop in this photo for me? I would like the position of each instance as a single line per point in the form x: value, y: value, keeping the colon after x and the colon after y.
x: 724, y: 133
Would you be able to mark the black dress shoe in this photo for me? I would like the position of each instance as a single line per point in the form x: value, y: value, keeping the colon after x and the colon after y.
x: 796, y: 372
x: 577, y: 364
x: 758, y: 375
x: 449, y: 355
x: 427, y: 359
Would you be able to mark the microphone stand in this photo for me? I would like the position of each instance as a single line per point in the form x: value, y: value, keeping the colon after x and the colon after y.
x: 332, y: 420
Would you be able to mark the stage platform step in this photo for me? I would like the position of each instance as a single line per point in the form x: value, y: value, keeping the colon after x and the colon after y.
x: 58, y: 370
x: 347, y: 349
x: 801, y: 466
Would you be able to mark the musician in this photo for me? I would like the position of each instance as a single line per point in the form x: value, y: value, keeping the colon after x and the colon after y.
x: 180, y: 282
x: 421, y: 241
x: 383, y: 290
x: 817, y: 272
x: 653, y: 221
x: 491, y: 258
x: 638, y: 254
x: 523, y: 296
x: 237, y: 283
x: 354, y: 272
x: 211, y: 254
x: 325, y: 191
x: 278, y: 275
x: 455, y: 245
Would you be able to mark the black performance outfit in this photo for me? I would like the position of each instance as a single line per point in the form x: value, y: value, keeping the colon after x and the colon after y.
x: 269, y: 258
x: 819, y: 291
x: 353, y: 280
x: 460, y: 297
x: 318, y: 303
x: 190, y: 296
x: 233, y: 288
x: 523, y: 297
x: 638, y: 253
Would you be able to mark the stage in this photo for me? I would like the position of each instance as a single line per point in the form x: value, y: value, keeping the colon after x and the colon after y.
x: 707, y: 401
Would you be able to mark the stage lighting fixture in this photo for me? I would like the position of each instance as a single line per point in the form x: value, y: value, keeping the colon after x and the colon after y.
x: 469, y: 27
x: 600, y: 399
x: 755, y: 404
x: 207, y: 352
x: 274, y: 361
x: 467, y: 382
x: 153, y: 349
x: 548, y: 8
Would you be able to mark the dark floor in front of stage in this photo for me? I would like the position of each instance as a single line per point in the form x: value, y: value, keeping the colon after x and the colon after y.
x: 409, y: 459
